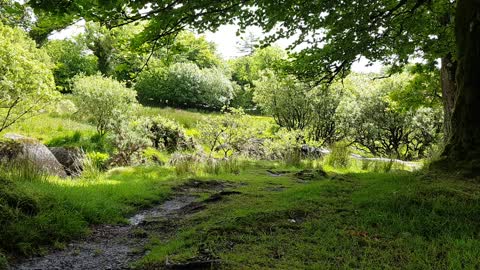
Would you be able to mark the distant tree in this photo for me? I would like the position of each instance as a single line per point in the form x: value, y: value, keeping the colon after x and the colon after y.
x: 245, y: 70
x: 70, y: 59
x: 286, y: 99
x: 186, y: 47
x: 116, y: 50
x: 184, y: 85
x: 13, y: 13
x: 26, y: 80
x: 103, y: 101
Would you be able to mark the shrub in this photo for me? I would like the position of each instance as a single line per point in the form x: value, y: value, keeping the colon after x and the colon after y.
x: 129, y: 140
x: 185, y: 85
x: 153, y: 155
x: 98, y: 160
x: 103, y: 100
x: 167, y: 134
x: 285, y: 145
x: 226, y: 133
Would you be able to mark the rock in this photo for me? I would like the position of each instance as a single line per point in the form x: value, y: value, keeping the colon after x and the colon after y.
x: 71, y: 159
x: 20, y: 148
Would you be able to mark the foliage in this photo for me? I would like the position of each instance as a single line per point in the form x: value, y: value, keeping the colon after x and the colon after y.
x: 247, y: 69
x: 117, y: 53
x: 285, y: 145
x: 185, y: 85
x: 387, y: 127
x: 98, y: 160
x: 129, y: 140
x: 187, y: 48
x: 70, y: 59
x: 26, y: 85
x: 286, y: 99
x: 167, y: 134
x: 226, y: 133
x: 339, y: 156
x: 103, y: 100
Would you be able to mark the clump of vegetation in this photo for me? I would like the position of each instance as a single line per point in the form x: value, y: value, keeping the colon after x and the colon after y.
x: 167, y: 135
x: 103, y: 101
x: 226, y: 133
x: 27, y: 84
x: 339, y: 156
x: 129, y: 140
x: 185, y: 85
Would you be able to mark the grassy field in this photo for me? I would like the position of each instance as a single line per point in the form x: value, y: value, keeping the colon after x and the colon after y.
x: 352, y: 218
x: 349, y: 220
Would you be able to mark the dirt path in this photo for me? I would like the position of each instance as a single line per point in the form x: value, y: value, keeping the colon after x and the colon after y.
x: 116, y: 247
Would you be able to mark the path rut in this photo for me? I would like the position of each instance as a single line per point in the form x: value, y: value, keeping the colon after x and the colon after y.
x: 111, y: 246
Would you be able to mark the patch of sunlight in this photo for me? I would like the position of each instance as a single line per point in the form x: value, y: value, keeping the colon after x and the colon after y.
x: 81, y: 182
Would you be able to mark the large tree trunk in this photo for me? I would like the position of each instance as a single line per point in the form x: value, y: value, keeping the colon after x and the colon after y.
x: 449, y: 91
x: 463, y: 147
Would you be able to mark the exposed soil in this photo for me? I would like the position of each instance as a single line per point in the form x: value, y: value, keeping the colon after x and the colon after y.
x: 117, y: 246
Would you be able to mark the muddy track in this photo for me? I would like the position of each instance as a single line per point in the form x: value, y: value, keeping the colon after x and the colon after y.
x: 118, y: 246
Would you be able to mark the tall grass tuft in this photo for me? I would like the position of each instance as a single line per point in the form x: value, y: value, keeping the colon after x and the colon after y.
x: 339, y: 156
x: 22, y: 170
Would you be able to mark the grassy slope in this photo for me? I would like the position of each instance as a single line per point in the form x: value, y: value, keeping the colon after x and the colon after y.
x: 353, y: 220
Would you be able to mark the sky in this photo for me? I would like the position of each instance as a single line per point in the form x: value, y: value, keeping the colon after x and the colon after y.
x: 226, y: 40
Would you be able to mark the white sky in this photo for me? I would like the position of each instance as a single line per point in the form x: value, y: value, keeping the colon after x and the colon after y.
x: 226, y: 40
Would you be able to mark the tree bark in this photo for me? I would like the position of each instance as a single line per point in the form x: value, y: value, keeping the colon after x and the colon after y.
x: 463, y: 147
x: 449, y: 90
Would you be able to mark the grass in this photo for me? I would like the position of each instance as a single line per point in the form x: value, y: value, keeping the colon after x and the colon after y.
x: 367, y: 215
x: 353, y: 219
x: 45, y: 211
x: 46, y: 127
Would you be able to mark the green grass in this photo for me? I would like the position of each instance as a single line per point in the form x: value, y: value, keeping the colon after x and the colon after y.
x: 45, y: 211
x: 353, y: 220
x: 46, y: 127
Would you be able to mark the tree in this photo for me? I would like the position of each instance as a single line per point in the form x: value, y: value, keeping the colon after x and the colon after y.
x: 26, y: 82
x: 286, y: 99
x: 375, y: 120
x: 70, y: 59
x: 184, y: 85
x: 247, y: 69
x: 186, y: 47
x: 248, y: 43
x: 103, y: 101
x: 339, y: 32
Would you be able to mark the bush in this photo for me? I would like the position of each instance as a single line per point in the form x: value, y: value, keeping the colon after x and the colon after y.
x: 167, y: 134
x: 226, y: 133
x: 98, y: 160
x: 184, y: 85
x: 103, y: 100
x: 129, y: 140
x: 285, y: 145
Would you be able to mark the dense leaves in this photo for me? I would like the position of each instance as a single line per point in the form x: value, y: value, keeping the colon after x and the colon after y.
x: 185, y: 85
x: 26, y: 81
x: 103, y: 101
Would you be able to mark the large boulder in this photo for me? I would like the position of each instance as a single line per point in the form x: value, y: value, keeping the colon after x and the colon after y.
x: 21, y: 148
x: 71, y: 159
